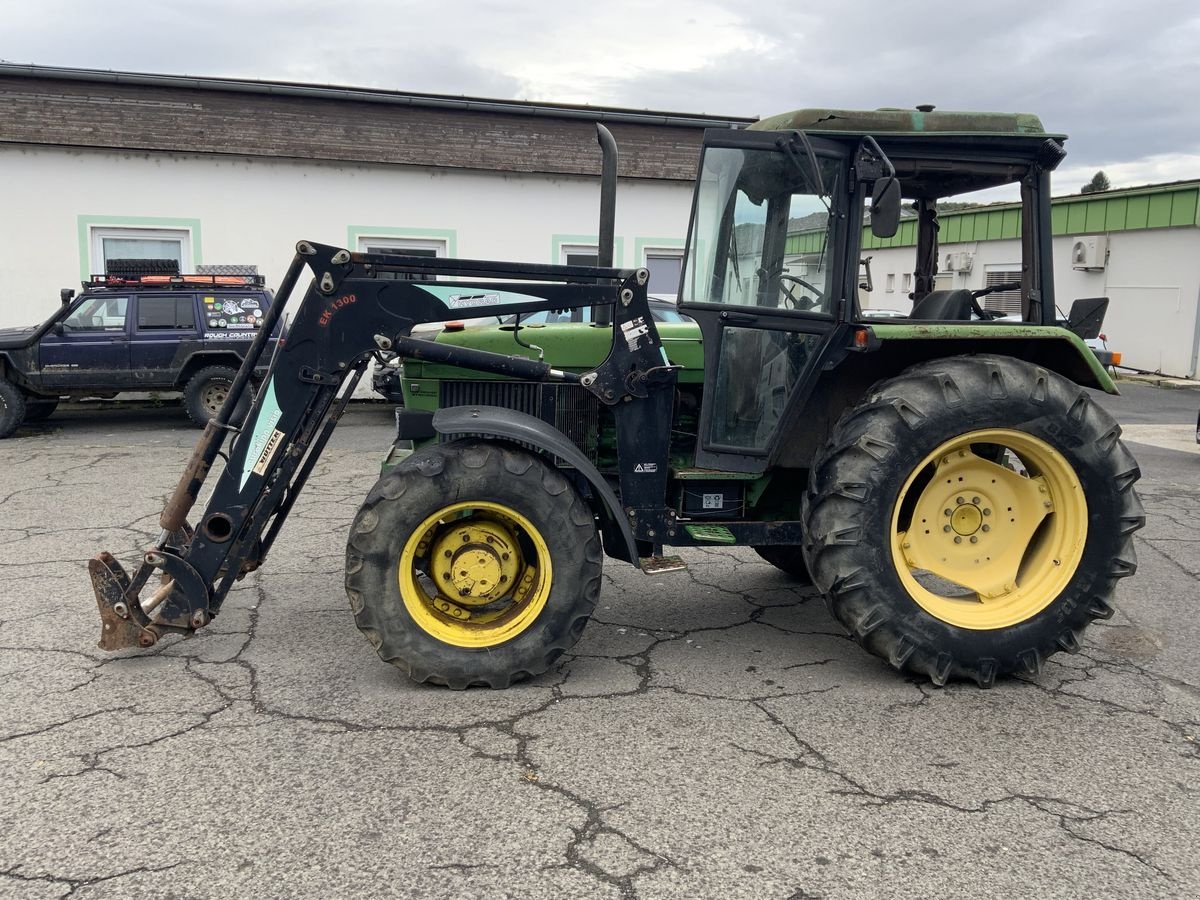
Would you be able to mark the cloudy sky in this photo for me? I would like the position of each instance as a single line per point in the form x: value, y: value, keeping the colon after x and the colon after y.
x: 1121, y: 78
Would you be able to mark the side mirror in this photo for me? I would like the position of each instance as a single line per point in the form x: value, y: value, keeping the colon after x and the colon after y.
x: 58, y: 328
x: 885, y: 206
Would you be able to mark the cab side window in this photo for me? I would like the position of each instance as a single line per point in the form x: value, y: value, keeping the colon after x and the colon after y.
x: 98, y: 314
x: 166, y: 314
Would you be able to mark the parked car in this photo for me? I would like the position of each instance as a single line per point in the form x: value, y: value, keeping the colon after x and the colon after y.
x: 133, y: 332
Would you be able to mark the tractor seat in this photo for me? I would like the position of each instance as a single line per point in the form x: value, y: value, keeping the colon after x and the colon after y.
x: 943, y: 306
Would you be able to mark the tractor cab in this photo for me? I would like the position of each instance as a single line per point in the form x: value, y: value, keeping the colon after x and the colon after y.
x: 784, y: 212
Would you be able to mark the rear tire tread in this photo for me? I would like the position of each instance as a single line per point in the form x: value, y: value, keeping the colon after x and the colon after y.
x: 840, y: 556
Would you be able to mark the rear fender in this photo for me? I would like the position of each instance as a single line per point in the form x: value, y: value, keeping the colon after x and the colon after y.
x: 548, y: 441
x: 901, y: 345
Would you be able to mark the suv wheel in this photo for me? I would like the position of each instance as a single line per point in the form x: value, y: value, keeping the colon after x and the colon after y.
x: 12, y: 408
x: 206, y: 391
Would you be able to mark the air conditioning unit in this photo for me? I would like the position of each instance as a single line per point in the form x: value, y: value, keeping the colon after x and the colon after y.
x: 960, y: 261
x: 1089, y: 252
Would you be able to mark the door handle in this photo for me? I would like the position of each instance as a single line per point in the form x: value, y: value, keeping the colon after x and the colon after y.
x: 739, y: 318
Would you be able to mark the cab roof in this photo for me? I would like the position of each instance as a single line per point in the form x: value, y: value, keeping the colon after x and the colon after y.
x: 910, y: 122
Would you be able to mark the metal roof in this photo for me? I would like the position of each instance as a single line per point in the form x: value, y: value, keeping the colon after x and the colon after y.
x: 377, y: 95
x: 1173, y: 204
x: 921, y: 121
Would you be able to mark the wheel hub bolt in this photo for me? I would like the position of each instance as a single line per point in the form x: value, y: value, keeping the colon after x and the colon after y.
x: 947, y: 512
x: 945, y: 528
x: 975, y: 500
x: 959, y: 500
x: 974, y: 540
x: 987, y: 512
x: 957, y: 539
x: 987, y: 527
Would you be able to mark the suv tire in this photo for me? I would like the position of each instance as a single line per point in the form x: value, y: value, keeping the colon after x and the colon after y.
x: 206, y: 391
x: 12, y: 408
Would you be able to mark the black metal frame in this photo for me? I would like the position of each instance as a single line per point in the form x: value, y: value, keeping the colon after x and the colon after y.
x: 348, y: 314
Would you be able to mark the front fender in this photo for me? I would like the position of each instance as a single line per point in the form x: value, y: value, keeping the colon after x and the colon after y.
x: 496, y: 421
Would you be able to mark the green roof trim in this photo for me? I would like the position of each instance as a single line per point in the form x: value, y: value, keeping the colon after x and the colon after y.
x: 1175, y: 205
x: 905, y: 121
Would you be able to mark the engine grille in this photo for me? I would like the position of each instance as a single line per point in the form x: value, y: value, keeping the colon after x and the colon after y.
x: 569, y: 407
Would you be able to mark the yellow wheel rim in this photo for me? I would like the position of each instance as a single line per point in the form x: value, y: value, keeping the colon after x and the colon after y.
x: 475, y: 574
x: 985, y: 544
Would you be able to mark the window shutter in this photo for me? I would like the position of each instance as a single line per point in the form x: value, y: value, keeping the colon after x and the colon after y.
x: 1007, y: 302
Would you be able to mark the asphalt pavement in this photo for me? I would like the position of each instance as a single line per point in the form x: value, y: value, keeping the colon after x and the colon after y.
x: 713, y: 734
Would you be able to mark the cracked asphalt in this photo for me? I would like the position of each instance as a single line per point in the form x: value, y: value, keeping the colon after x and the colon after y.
x: 714, y: 734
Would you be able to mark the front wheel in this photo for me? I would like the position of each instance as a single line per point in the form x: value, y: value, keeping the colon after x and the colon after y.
x: 473, y: 563
x: 971, y: 517
x: 12, y: 408
x: 787, y: 558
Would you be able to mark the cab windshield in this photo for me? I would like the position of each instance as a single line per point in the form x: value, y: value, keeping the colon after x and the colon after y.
x: 760, y: 231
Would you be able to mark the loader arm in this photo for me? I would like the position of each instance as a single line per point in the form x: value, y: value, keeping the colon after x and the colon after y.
x: 353, y: 308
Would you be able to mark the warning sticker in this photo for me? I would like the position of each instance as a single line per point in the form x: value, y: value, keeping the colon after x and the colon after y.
x: 634, y: 330
x: 466, y: 301
x: 264, y: 458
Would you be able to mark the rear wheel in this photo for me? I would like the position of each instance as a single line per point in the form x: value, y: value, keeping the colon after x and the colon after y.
x: 12, y: 408
x: 787, y: 558
x: 205, y: 392
x: 473, y: 563
x: 971, y: 517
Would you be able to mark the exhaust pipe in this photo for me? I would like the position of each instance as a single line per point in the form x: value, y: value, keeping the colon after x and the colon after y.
x: 602, y: 315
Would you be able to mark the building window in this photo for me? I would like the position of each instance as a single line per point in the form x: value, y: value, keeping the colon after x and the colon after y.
x: 579, y: 255
x: 665, y: 267
x: 1007, y: 302
x: 406, y: 247
x: 891, y: 283
x: 140, y: 243
x: 906, y: 284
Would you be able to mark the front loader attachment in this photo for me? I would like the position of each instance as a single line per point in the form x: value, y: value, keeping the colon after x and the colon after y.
x: 351, y: 311
x: 118, y: 629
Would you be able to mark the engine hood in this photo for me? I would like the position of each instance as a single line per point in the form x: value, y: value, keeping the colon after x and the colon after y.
x: 16, y: 337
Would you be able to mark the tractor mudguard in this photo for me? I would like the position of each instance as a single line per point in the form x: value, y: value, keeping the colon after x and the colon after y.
x: 496, y: 421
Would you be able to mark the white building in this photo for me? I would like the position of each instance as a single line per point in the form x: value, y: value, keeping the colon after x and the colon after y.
x: 100, y: 165
x: 1140, y: 247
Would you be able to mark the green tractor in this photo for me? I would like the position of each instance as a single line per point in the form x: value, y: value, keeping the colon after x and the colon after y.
x: 963, y: 506
x: 944, y: 479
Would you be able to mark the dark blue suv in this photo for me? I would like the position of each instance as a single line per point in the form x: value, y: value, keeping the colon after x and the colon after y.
x: 185, y: 333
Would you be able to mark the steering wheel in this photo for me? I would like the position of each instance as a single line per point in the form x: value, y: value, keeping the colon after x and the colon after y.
x: 990, y: 313
x: 805, y: 303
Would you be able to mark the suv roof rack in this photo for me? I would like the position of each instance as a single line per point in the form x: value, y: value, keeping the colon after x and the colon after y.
x: 172, y: 282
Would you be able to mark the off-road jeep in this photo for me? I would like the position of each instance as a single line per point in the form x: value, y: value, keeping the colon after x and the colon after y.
x: 133, y: 332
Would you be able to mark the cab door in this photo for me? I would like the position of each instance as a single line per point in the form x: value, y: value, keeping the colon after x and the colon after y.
x: 765, y: 278
x: 89, y: 350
